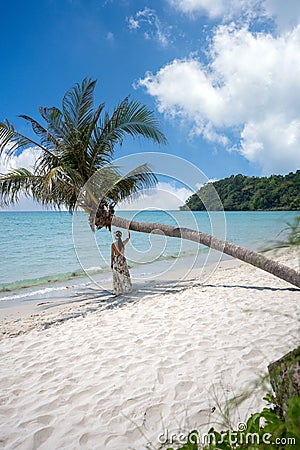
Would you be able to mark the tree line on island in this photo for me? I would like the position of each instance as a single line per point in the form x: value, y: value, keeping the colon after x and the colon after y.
x: 243, y: 193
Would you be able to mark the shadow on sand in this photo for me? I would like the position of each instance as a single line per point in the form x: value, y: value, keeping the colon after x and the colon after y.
x: 89, y: 300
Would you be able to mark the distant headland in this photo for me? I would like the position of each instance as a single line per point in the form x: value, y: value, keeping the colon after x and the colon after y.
x: 243, y: 193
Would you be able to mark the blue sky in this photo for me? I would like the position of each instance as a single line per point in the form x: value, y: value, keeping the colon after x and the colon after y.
x: 223, y: 76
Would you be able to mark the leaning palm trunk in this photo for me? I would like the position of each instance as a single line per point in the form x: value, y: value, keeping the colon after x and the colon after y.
x: 75, y: 144
x: 244, y: 254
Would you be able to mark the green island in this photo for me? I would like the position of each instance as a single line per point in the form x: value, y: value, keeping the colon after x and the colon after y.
x: 243, y: 193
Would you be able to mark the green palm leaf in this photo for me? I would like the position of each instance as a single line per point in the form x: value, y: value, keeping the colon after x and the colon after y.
x: 15, y: 183
x: 129, y: 186
x: 77, y: 105
x: 74, y: 143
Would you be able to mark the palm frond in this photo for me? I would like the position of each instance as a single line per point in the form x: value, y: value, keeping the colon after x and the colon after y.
x: 129, y: 186
x: 54, y: 119
x: 93, y: 123
x: 47, y: 139
x: 15, y: 183
x: 291, y: 234
x: 77, y: 105
x: 129, y: 118
x: 136, y: 119
x: 75, y: 143
x: 8, y: 135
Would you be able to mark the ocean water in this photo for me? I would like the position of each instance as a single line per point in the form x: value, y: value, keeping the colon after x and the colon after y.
x: 49, y: 249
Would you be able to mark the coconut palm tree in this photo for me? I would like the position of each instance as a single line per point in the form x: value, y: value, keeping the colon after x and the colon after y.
x: 75, y: 143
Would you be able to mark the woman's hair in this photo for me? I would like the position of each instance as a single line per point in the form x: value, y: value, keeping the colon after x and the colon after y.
x: 120, y: 244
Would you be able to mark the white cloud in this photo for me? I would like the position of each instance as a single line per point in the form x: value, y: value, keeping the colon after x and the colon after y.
x: 200, y: 185
x: 164, y: 196
x: 25, y: 160
x: 285, y: 14
x: 148, y: 20
x: 250, y: 86
x: 213, y: 8
x: 273, y: 143
x: 219, y: 9
x: 110, y: 36
x: 133, y: 24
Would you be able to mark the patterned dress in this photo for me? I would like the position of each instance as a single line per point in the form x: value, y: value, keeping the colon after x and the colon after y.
x: 121, y: 277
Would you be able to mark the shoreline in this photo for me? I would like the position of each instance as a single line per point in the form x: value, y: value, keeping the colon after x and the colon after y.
x: 121, y: 372
x: 70, y: 301
x: 28, y: 298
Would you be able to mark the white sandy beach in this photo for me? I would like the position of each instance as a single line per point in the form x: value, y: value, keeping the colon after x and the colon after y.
x: 96, y: 376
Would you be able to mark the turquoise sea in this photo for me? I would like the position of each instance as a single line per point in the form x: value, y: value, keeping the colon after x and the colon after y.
x: 38, y: 253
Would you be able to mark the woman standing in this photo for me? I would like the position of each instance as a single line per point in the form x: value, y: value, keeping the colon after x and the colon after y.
x: 121, y: 276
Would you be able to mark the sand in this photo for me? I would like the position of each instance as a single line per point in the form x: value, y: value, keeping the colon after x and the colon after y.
x: 109, y: 375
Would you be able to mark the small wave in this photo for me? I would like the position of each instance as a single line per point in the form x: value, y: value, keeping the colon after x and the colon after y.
x: 27, y: 283
x: 95, y: 270
x: 15, y: 290
x: 32, y: 293
x: 15, y: 286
